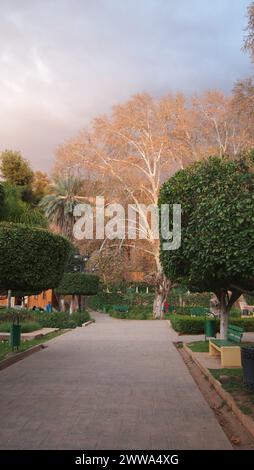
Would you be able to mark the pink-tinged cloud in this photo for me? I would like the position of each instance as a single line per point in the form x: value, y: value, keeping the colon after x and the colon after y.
x: 63, y: 62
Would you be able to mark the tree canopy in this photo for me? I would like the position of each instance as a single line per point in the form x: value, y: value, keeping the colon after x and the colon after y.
x: 78, y: 284
x: 31, y: 259
x: 217, y: 249
x: 15, y: 169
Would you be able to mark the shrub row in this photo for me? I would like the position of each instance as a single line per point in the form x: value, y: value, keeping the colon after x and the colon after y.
x: 185, y: 324
x: 63, y: 319
x: 46, y: 320
x: 26, y: 327
x: 9, y: 314
x: 194, y: 299
x: 135, y: 313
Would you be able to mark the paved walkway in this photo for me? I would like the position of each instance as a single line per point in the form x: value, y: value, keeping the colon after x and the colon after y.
x: 117, y: 384
x: 31, y: 334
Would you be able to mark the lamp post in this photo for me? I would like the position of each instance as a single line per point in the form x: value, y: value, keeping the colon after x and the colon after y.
x: 80, y: 264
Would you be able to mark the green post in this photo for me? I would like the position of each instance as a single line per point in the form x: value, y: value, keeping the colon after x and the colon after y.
x: 15, y: 334
x: 210, y: 328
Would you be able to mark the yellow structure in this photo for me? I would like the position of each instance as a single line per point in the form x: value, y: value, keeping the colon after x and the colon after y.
x: 230, y: 355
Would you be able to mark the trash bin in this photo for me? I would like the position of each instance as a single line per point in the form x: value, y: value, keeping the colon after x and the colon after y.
x: 210, y: 328
x: 15, y: 334
x: 247, y: 355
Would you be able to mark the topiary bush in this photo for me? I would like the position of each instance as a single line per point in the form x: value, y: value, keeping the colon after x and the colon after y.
x: 31, y: 259
x: 78, y: 284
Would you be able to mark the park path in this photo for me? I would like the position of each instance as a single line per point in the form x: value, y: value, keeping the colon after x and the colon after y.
x: 116, y: 384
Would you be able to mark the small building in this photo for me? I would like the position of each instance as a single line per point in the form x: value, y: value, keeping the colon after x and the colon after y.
x: 38, y: 300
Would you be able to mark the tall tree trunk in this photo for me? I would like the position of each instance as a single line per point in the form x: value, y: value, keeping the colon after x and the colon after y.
x: 62, y: 304
x: 224, y: 323
x: 82, y: 302
x: 79, y: 302
x: 9, y: 298
x: 72, y: 304
x: 162, y: 290
x: 224, y: 314
x: 226, y: 302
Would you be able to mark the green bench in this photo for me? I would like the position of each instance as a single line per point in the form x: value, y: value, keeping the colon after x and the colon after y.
x: 120, y: 308
x: 228, y: 349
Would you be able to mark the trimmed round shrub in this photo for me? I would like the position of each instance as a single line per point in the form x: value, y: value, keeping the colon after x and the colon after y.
x: 31, y: 259
x: 78, y: 284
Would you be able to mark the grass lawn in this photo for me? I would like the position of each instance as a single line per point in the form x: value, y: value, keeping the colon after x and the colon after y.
x: 24, y: 345
x: 235, y: 386
x: 26, y: 327
x: 199, y: 346
x: 236, y: 372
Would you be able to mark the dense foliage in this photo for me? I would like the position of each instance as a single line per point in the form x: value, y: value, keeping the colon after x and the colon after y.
x: 31, y: 259
x: 63, y: 319
x: 78, y: 284
x: 217, y: 249
x: 185, y: 324
x: 31, y: 318
x: 15, y: 169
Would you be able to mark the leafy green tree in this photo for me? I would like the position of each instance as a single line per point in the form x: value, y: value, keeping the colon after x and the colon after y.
x: 217, y: 249
x: 80, y: 284
x: 15, y: 169
x: 14, y: 209
x: 31, y: 259
x: 59, y: 204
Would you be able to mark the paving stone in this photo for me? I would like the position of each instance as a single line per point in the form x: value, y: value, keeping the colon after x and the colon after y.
x: 117, y: 384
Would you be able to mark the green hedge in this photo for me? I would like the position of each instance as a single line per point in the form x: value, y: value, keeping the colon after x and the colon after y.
x: 246, y: 323
x: 195, y: 325
x: 186, y: 324
x: 62, y: 319
x: 49, y: 320
x: 135, y: 312
x: 26, y: 327
x: 194, y: 299
x: 102, y: 298
x: 31, y: 259
x: 78, y: 284
x: 9, y: 314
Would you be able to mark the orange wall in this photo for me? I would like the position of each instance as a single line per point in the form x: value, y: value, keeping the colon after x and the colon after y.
x: 3, y: 301
x: 41, y: 300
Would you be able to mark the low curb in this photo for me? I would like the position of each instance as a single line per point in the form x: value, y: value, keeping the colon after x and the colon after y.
x: 9, y: 361
x: 19, y: 356
x: 88, y: 323
x: 245, y: 420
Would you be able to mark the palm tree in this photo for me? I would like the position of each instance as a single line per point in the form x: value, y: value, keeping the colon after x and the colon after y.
x: 59, y: 204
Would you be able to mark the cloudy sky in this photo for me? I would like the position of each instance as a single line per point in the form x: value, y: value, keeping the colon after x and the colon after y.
x: 64, y: 61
